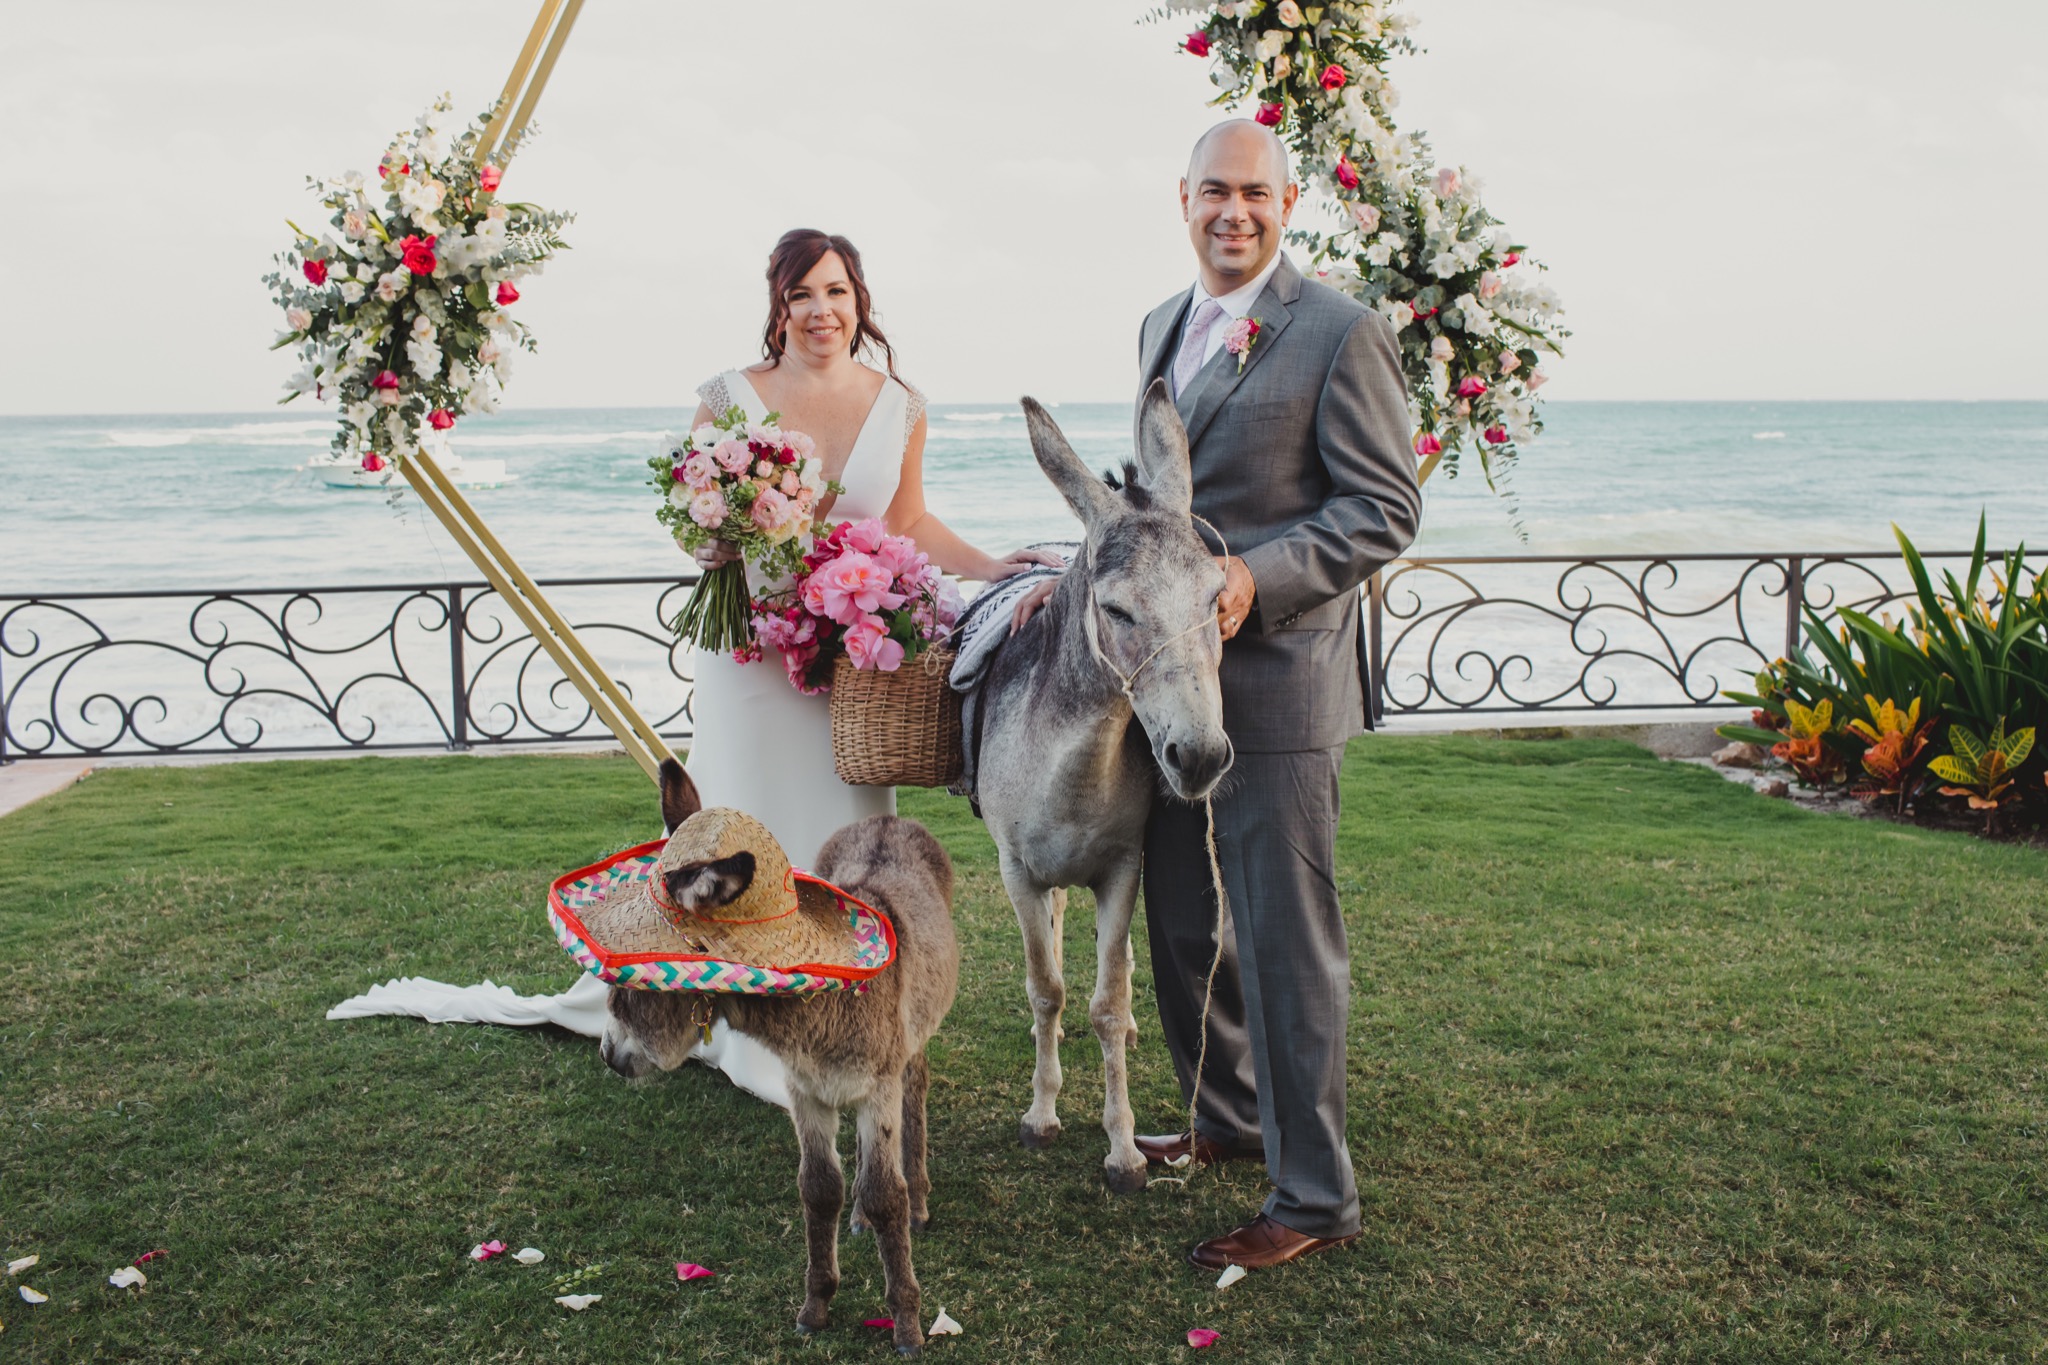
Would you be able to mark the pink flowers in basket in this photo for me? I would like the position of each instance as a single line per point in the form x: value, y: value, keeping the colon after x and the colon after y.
x: 863, y: 593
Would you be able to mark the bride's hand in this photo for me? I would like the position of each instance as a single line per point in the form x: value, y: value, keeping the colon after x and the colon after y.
x: 712, y: 554
x: 1028, y: 605
x: 1017, y: 561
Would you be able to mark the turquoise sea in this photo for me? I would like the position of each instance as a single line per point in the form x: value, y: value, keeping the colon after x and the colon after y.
x: 218, y: 501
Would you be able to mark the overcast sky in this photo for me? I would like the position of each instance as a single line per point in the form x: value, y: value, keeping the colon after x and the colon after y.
x: 1803, y: 198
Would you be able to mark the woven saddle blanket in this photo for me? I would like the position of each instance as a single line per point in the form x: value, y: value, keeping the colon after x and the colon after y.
x: 981, y: 631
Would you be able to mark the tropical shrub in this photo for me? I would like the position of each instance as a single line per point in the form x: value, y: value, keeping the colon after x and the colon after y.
x: 1945, y: 703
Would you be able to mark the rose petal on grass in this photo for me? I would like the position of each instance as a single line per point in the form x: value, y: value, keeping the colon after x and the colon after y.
x: 944, y: 1326
x: 1201, y: 1337
x: 127, y: 1277
x: 576, y: 1303
x: 16, y: 1267
x: 1230, y: 1276
x: 30, y: 1296
x: 146, y: 1257
x: 690, y: 1270
x: 1183, y: 1159
x: 529, y: 1255
x: 886, y: 1324
x: 483, y: 1251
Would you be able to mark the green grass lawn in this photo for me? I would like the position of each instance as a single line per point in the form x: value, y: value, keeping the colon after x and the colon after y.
x: 1644, y: 1067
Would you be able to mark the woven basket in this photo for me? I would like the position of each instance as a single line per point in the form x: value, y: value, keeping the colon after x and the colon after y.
x: 898, y: 729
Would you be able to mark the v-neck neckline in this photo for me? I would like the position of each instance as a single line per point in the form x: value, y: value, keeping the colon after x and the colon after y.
x: 839, y: 475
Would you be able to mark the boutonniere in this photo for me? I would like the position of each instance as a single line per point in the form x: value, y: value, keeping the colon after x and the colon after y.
x: 1238, y: 340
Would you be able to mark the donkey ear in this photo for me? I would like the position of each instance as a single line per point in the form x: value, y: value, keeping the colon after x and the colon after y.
x: 1163, y: 450
x: 1083, y: 491
x: 708, y: 885
x: 679, y: 799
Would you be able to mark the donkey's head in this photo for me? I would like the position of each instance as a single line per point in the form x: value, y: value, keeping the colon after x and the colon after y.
x: 1148, y: 605
x: 655, y: 1030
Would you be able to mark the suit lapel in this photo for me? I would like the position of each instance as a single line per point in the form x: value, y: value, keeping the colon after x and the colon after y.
x: 1158, y: 355
x: 1214, y: 385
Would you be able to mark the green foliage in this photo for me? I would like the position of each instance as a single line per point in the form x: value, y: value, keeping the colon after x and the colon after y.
x: 1969, y: 659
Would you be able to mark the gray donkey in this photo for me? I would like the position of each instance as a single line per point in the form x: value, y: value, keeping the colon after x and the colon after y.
x: 1111, y: 687
x: 857, y: 1049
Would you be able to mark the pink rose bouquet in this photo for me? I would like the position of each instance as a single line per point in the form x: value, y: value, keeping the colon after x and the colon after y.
x: 752, y: 484
x: 863, y: 593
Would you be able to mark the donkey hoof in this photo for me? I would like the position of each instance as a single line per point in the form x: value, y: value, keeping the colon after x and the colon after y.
x: 856, y: 1225
x: 1124, y: 1179
x: 909, y: 1348
x: 920, y: 1221
x: 1038, y: 1138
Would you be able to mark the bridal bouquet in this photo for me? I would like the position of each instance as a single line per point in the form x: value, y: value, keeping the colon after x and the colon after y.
x: 863, y: 593
x: 398, y: 310
x: 751, y: 484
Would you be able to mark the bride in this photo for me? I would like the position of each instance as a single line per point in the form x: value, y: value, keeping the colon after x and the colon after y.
x: 760, y: 745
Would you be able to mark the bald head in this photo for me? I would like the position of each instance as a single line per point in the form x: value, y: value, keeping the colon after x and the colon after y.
x: 1236, y: 200
x: 1241, y: 143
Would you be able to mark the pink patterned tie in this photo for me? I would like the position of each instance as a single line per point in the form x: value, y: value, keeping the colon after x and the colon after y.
x: 1194, y: 344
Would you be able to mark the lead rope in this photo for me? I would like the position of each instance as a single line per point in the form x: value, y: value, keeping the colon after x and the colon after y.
x: 1126, y: 682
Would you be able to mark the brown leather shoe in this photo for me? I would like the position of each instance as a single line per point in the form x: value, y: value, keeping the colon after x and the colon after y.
x: 1261, y: 1243
x: 1164, y: 1149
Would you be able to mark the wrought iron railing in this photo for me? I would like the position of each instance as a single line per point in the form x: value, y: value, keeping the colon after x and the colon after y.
x: 351, y: 667
x: 1577, y: 634
x: 355, y: 667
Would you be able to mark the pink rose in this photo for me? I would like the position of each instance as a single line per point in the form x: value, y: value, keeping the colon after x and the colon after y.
x: 440, y: 419
x: 1440, y: 349
x: 697, y: 472
x: 316, y: 272
x: 418, y: 253
x: 798, y: 661
x: 849, y: 587
x: 1489, y: 284
x: 1271, y: 114
x: 1238, y: 340
x: 1347, y: 174
x: 763, y: 469
x: 730, y: 455
x: 372, y: 461
x: 489, y: 177
x: 900, y: 559
x: 1334, y: 77
x: 1509, y: 362
x: 1510, y: 259
x: 1471, y: 386
x: 791, y: 484
x: 1197, y: 44
x: 770, y: 510
x: 1427, y: 444
x: 507, y: 293
x: 1536, y: 380
x: 1498, y: 435
x: 708, y: 509
x: 1367, y: 216
x: 1447, y: 182
x: 385, y: 380
x: 866, y: 535
x: 869, y: 646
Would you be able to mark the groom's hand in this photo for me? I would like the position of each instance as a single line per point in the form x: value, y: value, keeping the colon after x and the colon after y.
x: 1238, y: 591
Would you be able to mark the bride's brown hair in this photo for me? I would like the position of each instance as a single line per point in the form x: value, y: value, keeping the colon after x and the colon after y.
x: 792, y: 259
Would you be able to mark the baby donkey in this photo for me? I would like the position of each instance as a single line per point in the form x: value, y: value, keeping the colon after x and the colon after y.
x: 858, y: 1049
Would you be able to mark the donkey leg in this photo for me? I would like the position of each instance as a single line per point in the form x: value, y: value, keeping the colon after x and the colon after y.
x: 1038, y: 916
x: 1110, y: 1012
x: 916, y: 1080
x: 884, y: 1198
x: 823, y: 1189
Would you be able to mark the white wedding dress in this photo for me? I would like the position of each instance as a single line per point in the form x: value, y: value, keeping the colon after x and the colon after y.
x: 761, y: 746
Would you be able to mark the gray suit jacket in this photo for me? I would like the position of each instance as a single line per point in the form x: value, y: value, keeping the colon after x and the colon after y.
x: 1302, y: 461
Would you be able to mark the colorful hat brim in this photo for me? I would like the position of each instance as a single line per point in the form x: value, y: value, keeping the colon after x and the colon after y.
x: 874, y: 938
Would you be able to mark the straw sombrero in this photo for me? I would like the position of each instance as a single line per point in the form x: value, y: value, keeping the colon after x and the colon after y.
x: 786, y: 933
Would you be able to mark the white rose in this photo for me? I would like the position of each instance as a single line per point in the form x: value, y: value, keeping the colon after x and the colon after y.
x: 1271, y: 44
x: 1440, y: 350
x: 355, y: 226
x: 1397, y: 313
x: 1283, y: 67
x: 391, y: 285
x: 423, y: 327
x: 1379, y: 253
x: 1290, y: 13
x: 298, y: 318
x: 1444, y: 264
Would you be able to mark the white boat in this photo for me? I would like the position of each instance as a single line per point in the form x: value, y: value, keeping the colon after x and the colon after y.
x: 339, y: 471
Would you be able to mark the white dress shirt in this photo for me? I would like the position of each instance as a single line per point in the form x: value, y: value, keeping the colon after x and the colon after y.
x: 1237, y: 305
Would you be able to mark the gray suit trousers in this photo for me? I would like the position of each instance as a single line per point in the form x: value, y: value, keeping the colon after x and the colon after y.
x: 1277, y: 1021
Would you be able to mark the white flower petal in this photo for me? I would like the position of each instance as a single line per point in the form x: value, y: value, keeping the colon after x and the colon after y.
x: 127, y: 1277
x: 529, y: 1255
x: 30, y: 1296
x: 576, y: 1303
x: 944, y: 1326
x: 1230, y: 1276
x: 16, y: 1267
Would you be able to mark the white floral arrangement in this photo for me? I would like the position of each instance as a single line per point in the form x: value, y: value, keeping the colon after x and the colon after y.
x: 400, y: 312
x: 1473, y: 316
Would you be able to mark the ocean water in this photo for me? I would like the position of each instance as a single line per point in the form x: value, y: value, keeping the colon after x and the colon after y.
x: 102, y: 503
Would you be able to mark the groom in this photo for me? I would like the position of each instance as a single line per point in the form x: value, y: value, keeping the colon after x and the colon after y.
x: 1302, y: 463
